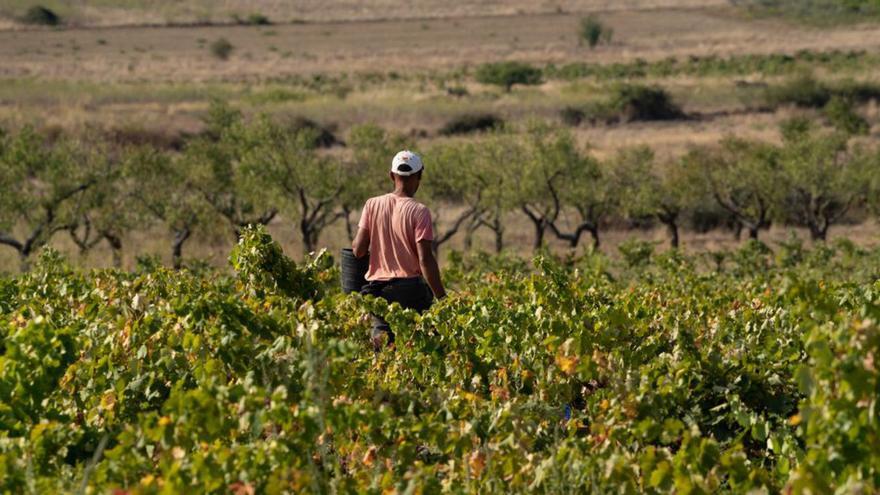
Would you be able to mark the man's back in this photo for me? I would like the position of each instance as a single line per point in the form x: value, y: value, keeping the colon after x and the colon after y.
x: 395, y: 224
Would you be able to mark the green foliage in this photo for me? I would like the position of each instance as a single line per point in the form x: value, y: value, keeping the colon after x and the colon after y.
x: 802, y: 91
x: 40, y: 15
x: 254, y: 19
x: 824, y: 178
x: 634, y: 102
x: 744, y: 178
x: 821, y: 12
x: 221, y: 48
x: 843, y: 117
x: 469, y: 123
x: 263, y: 269
x: 507, y: 74
x: 772, y: 64
x: 544, y: 377
x: 593, y: 31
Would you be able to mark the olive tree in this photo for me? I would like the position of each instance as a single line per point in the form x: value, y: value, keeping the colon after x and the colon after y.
x: 491, y: 172
x: 542, y: 163
x: 367, y: 171
x: 283, y: 168
x: 823, y: 178
x: 450, y: 180
x: 162, y: 191
x: 664, y: 191
x: 104, y: 212
x: 39, y: 186
x: 743, y: 176
x: 593, y: 190
x: 213, y: 163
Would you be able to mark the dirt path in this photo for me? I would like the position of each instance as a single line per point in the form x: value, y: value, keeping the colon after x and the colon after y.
x: 182, y: 54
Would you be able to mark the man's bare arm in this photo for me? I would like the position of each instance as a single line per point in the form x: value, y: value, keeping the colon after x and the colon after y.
x: 361, y: 243
x: 430, y: 270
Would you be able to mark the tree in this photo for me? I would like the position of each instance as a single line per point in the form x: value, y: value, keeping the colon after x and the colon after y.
x: 593, y: 190
x: 367, y: 171
x: 40, y: 186
x: 213, y: 165
x: 664, y: 191
x: 164, y: 192
x: 593, y: 31
x: 539, y: 162
x: 491, y: 168
x: 824, y: 179
x: 103, y: 212
x: 743, y: 177
x: 506, y: 74
x: 285, y: 167
x: 451, y: 180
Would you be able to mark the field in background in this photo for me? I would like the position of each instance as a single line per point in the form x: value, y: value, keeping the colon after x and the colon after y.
x: 357, y: 62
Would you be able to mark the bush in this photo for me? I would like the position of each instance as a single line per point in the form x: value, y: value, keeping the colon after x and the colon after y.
x: 324, y: 138
x: 842, y: 116
x: 42, y: 16
x: 252, y: 20
x: 636, y: 102
x: 457, y: 91
x: 858, y: 92
x: 506, y: 74
x: 221, y: 48
x: 471, y: 123
x: 572, y: 116
x: 594, y: 32
x: 803, y: 91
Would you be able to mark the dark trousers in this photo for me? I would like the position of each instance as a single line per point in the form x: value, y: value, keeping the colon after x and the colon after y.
x: 411, y: 293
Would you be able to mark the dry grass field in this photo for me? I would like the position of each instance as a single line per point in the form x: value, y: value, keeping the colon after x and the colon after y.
x: 118, y: 65
x: 93, y: 13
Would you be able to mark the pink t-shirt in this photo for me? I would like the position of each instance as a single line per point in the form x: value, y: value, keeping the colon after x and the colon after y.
x: 395, y: 224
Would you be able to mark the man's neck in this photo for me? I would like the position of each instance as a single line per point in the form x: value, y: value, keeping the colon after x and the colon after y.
x: 401, y: 192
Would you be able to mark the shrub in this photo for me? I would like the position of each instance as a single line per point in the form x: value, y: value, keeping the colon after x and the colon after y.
x: 251, y: 20
x: 42, y: 16
x: 258, y: 20
x: 263, y: 269
x: 572, y: 116
x: 506, y: 74
x: 637, y: 102
x: 457, y: 91
x: 593, y: 31
x: 842, y: 116
x: 324, y: 137
x: 858, y: 92
x: 803, y: 91
x: 221, y: 48
x: 465, y: 124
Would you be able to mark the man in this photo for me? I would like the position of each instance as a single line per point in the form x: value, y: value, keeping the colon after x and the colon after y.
x: 398, y: 234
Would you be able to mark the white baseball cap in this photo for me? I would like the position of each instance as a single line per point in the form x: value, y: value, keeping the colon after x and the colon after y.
x: 406, y: 163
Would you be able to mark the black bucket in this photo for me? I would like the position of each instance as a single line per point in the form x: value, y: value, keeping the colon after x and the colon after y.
x: 353, y: 271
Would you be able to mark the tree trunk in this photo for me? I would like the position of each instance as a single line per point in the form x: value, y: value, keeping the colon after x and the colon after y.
x: 672, y: 227
x: 819, y: 233
x: 346, y: 213
x: 594, y: 233
x: 180, y: 237
x: 116, y: 248
x: 753, y: 232
x: 469, y: 232
x: 498, y: 228
x: 540, y: 229
x: 24, y: 261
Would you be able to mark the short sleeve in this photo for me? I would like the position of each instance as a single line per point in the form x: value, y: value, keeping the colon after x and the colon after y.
x: 424, y: 227
x: 364, y: 222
